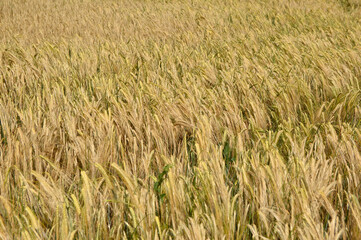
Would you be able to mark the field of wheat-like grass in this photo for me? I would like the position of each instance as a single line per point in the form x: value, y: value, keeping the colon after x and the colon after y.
x: 180, y: 119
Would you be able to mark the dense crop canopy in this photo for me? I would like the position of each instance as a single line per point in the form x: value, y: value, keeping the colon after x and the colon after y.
x: 180, y: 119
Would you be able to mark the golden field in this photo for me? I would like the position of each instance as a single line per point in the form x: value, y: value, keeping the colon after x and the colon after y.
x: 180, y: 119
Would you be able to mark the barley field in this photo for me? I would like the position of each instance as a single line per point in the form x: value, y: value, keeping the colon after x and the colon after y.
x: 180, y: 119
